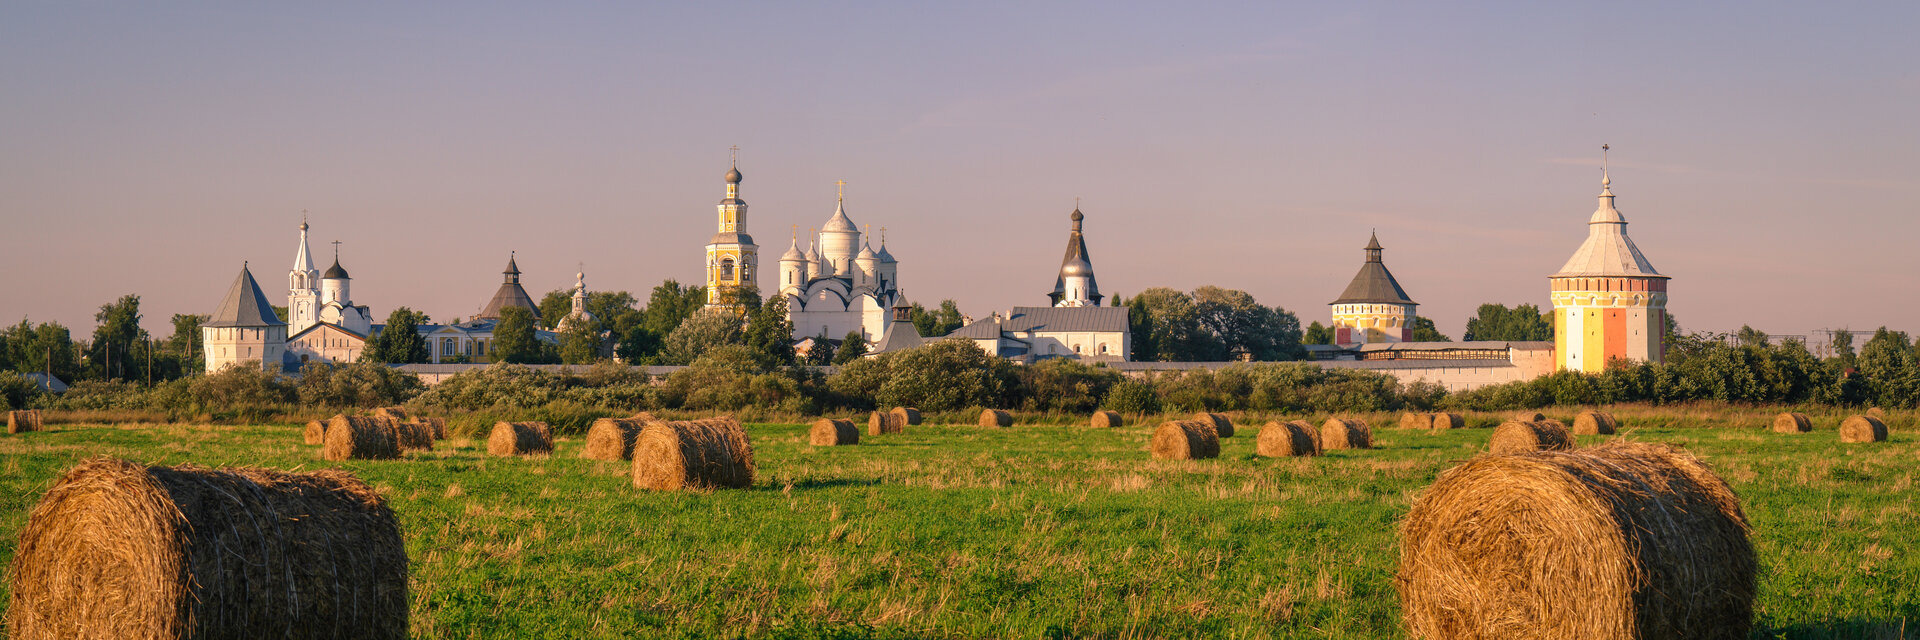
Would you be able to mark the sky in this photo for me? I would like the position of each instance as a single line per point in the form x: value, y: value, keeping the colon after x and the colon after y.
x: 1764, y: 154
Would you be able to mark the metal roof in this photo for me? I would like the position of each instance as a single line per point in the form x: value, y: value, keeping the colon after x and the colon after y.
x: 1046, y: 319
x: 1608, y: 251
x: 509, y: 295
x: 244, y: 306
x: 1076, y: 260
x: 1374, y: 284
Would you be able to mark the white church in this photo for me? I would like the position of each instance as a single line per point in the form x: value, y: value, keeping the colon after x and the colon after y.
x: 840, y: 284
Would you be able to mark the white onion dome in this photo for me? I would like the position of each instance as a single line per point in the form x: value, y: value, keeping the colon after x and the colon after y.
x: 793, y: 253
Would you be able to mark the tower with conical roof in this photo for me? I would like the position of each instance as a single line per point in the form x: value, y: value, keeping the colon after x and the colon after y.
x: 1075, y: 286
x: 733, y: 260
x: 303, y: 287
x: 1373, y: 308
x: 1608, y: 301
x: 244, y: 331
x: 510, y: 294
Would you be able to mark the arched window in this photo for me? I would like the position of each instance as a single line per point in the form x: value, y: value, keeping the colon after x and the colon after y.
x: 1103, y: 348
x: 726, y: 269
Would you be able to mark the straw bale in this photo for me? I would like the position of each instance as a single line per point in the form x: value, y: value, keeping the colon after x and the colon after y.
x: 1877, y: 413
x: 1339, y: 433
x: 879, y: 424
x: 1108, y: 419
x: 712, y: 453
x: 1312, y: 432
x: 411, y: 436
x: 995, y: 418
x: 1285, y: 439
x: 1863, y: 429
x: 643, y: 416
x: 24, y: 420
x: 828, y: 432
x: 1446, y: 421
x: 1514, y: 436
x: 315, y: 433
x: 1221, y: 424
x: 1595, y: 423
x: 1185, y: 440
x: 359, y: 438
x: 437, y: 425
x: 908, y: 416
x: 1792, y: 423
x: 1616, y: 541
x: 119, y: 550
x: 1412, y: 420
x: 612, y: 438
x: 520, y: 439
x: 1530, y: 416
x: 399, y: 414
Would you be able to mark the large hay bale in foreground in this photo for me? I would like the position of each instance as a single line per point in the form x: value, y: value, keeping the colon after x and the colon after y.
x: 359, y: 438
x: 119, y: 550
x: 398, y: 414
x: 1514, y: 436
x: 24, y: 421
x: 1340, y: 433
x: 1411, y: 420
x: 411, y: 436
x: 1104, y: 419
x: 612, y: 439
x: 1221, y: 423
x: 315, y: 433
x: 908, y: 416
x: 520, y: 439
x: 995, y: 418
x: 1595, y: 423
x: 879, y: 424
x: 1286, y: 439
x: 1792, y: 423
x: 1438, y: 421
x: 1616, y: 541
x: 1863, y: 429
x: 712, y: 453
x: 1185, y: 440
x: 828, y: 432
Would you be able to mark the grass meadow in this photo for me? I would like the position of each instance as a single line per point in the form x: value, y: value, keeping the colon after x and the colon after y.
x: 1037, y: 531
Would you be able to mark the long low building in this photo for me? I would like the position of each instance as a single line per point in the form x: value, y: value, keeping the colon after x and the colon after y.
x: 1457, y: 366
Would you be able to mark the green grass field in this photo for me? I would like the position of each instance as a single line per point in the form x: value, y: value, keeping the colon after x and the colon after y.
x: 1028, y: 532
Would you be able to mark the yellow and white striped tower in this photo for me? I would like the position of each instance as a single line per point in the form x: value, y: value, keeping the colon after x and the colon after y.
x: 733, y: 260
x: 1608, y: 302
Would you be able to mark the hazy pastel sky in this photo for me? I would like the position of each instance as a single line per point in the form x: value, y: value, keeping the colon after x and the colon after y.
x: 1765, y: 154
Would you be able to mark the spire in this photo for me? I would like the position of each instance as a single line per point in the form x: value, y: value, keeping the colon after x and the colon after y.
x: 244, y: 305
x: 513, y: 269
x: 733, y: 173
x: 1076, y: 265
x: 1373, y: 247
x: 302, y: 261
x: 1606, y: 183
x: 1606, y: 213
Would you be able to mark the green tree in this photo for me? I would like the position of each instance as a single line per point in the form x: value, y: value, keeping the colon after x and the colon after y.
x: 852, y: 348
x: 580, y: 344
x: 1497, y: 322
x: 613, y: 311
x: 1843, y: 355
x: 185, y: 342
x: 1750, y: 337
x: 115, y: 340
x: 1172, y: 328
x: 698, y: 334
x: 1317, y: 334
x: 638, y: 345
x: 823, y: 350
x: 769, y: 333
x: 513, y: 337
x: 1892, y: 376
x: 937, y: 323
x: 1241, y: 325
x: 671, y: 304
x: 1425, y: 331
x: 399, y: 342
x: 33, y: 345
x: 554, y: 307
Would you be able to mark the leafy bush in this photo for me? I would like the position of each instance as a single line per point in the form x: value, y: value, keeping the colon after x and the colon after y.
x: 1132, y: 396
x: 362, y: 384
x: 236, y: 388
x: 947, y: 375
x: 1061, y: 384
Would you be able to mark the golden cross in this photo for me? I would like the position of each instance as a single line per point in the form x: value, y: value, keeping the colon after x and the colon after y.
x: 736, y: 154
x: 841, y: 189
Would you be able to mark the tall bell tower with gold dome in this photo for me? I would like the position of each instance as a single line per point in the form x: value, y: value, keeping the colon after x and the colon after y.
x: 733, y: 260
x: 1608, y: 301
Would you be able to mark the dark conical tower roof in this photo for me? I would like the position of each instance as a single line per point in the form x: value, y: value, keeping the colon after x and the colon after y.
x: 1076, y: 263
x: 244, y: 306
x: 510, y: 294
x: 1374, y: 284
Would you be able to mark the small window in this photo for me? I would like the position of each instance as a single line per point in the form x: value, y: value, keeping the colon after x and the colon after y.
x: 726, y: 270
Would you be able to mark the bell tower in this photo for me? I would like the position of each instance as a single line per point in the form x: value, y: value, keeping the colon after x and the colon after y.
x: 733, y: 260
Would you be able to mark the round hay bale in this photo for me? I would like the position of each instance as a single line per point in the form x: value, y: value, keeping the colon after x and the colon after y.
x: 1221, y: 424
x: 1792, y: 423
x: 713, y: 453
x: 643, y: 416
x: 119, y: 550
x: 1108, y: 419
x: 1446, y: 421
x: 24, y: 421
x: 1529, y: 416
x: 315, y: 433
x: 411, y: 436
x: 886, y: 423
x: 1514, y: 436
x: 1312, y: 432
x: 1412, y: 420
x: 437, y: 425
x: 1595, y: 423
x: 827, y: 432
x: 1620, y: 540
x: 359, y: 438
x: 995, y: 418
x: 1339, y: 433
x: 908, y: 416
x: 1185, y: 440
x: 399, y: 414
x: 520, y: 439
x: 611, y: 439
x: 1877, y: 413
x: 1863, y: 429
x: 1286, y: 439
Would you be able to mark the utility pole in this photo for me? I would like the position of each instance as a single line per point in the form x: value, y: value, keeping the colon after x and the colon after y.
x: 149, y: 362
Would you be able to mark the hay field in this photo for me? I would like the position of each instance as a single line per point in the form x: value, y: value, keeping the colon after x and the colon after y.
x: 1021, y: 532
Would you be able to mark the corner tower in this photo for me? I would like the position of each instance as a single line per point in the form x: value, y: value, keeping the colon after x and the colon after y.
x: 733, y: 260
x: 1608, y: 301
x: 1373, y: 308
